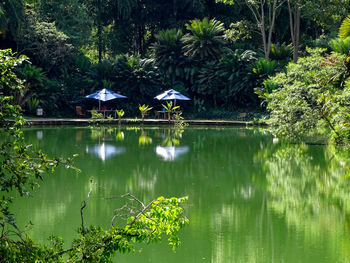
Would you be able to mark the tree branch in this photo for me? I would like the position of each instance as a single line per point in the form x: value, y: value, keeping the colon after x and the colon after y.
x: 142, y: 211
x: 82, y: 208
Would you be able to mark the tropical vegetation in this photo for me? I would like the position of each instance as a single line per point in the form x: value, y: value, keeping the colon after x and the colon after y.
x: 215, y: 52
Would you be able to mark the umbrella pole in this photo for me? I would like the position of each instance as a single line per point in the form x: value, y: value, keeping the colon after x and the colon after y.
x: 99, y: 104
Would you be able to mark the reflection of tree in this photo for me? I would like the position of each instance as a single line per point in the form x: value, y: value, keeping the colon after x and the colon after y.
x: 143, y: 181
x: 120, y: 135
x: 313, y: 195
x: 103, y: 132
x: 296, y: 182
x: 257, y: 242
x: 144, y: 139
x: 172, y: 137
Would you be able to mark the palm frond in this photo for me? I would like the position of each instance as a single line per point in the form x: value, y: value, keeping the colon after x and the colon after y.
x: 344, y: 30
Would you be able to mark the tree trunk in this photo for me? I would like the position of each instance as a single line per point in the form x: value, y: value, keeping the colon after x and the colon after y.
x: 272, y: 18
x: 262, y: 29
x: 99, y: 36
x: 297, y: 35
x: 265, y: 27
x: 294, y: 24
x: 136, y: 48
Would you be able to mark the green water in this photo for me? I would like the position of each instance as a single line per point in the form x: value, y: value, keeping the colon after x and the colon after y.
x: 251, y: 198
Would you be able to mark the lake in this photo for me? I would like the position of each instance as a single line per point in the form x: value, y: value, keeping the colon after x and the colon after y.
x: 251, y: 198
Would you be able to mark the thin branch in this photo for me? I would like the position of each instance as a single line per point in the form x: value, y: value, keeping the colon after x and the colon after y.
x: 142, y: 211
x: 134, y: 198
x: 254, y: 11
x: 83, y: 206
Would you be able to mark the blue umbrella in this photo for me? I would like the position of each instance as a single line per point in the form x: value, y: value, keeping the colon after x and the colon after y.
x: 104, y: 95
x: 171, y: 95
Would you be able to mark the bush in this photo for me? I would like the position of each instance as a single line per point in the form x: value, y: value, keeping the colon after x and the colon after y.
x: 311, y: 94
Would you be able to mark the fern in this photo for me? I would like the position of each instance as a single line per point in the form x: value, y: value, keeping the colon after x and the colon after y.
x: 340, y: 45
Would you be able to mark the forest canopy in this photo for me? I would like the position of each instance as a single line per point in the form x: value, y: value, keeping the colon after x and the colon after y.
x: 222, y: 54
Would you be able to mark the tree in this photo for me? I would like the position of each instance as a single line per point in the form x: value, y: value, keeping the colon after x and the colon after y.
x: 294, y: 24
x: 144, y: 109
x: 310, y: 95
x: 265, y: 22
x: 168, y: 54
x: 11, y: 15
x: 264, y: 13
x: 70, y: 16
x: 100, y: 12
x: 137, y: 78
x: 48, y: 46
x: 228, y: 82
x: 324, y: 13
x: 205, y: 40
x: 170, y: 108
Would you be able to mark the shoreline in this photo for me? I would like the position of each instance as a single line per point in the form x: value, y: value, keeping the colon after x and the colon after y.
x: 76, y: 121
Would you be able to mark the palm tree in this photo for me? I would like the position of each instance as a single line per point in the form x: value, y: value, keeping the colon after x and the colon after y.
x: 34, y: 83
x: 170, y: 108
x: 205, y: 40
x: 168, y: 54
x: 144, y: 109
x: 344, y: 30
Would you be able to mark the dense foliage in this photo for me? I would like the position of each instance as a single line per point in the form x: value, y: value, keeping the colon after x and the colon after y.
x: 141, y: 48
x: 310, y: 96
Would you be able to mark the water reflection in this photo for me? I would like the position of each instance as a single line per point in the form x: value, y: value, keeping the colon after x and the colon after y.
x: 105, y: 134
x: 251, y: 199
x: 170, y: 153
x: 313, y: 196
x: 105, y: 151
x: 144, y: 139
x: 143, y: 180
x: 120, y: 135
x: 39, y: 135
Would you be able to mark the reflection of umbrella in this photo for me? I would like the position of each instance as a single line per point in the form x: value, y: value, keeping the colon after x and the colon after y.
x: 171, y: 95
x: 104, y: 95
x: 105, y: 151
x: 170, y: 153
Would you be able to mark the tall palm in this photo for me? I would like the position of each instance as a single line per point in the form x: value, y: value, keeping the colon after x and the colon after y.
x: 205, y: 40
x: 344, y: 30
x: 168, y: 53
